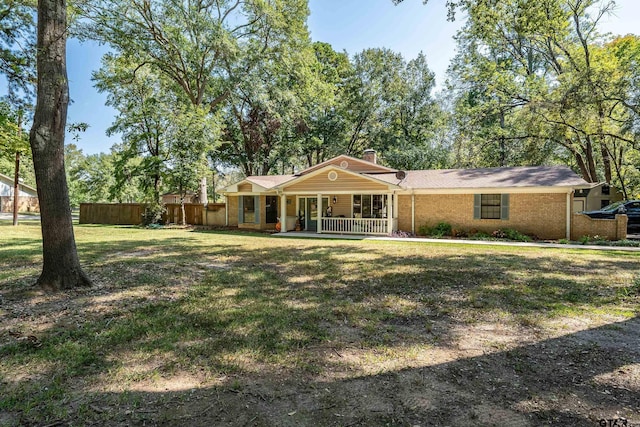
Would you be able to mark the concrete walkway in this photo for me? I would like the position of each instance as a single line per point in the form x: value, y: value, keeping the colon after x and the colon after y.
x: 311, y: 235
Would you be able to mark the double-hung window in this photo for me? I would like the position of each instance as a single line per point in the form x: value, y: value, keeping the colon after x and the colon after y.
x: 491, y: 206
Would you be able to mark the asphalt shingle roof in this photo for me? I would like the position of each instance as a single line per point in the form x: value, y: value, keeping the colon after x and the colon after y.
x: 508, y: 177
x: 270, y: 181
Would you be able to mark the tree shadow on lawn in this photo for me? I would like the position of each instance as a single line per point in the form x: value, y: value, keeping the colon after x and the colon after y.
x: 574, y: 380
x: 274, y: 327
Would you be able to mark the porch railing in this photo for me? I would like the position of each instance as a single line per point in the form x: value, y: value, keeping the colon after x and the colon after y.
x: 355, y: 225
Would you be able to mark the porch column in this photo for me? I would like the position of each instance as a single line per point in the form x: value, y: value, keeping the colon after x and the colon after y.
x: 283, y: 213
x: 569, y: 215
x: 319, y: 206
x: 396, y: 215
x: 413, y: 213
x: 226, y: 210
x: 389, y: 215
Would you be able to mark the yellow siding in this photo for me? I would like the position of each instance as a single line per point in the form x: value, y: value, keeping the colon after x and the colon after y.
x: 245, y: 188
x: 321, y: 184
x: 343, y: 205
x: 357, y: 166
x: 291, y: 207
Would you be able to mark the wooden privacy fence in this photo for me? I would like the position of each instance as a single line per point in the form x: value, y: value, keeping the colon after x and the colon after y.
x: 111, y: 213
x: 131, y: 213
x: 192, y: 211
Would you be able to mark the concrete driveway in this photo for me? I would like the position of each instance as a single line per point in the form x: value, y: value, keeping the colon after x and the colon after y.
x: 32, y: 217
x: 21, y: 217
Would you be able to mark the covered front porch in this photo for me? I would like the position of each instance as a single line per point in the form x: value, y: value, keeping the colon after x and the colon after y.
x: 343, y: 213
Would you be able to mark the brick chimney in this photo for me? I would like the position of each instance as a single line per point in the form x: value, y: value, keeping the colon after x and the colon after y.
x: 370, y: 156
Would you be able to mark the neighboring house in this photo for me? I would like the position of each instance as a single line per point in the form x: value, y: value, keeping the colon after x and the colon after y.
x: 27, y: 196
x: 596, y: 197
x: 358, y: 196
x: 189, y: 197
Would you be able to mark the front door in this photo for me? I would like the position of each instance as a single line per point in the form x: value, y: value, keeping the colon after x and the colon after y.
x: 312, y: 214
x: 312, y: 210
x: 271, y: 209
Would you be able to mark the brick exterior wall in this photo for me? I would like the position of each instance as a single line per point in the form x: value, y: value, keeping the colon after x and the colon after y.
x: 25, y: 204
x: 609, y: 229
x: 232, y: 203
x: 404, y: 213
x: 543, y: 215
x: 214, y: 214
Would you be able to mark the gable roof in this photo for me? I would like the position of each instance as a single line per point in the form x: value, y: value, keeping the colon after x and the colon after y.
x: 507, y: 177
x: 370, y: 177
x: 366, y: 166
x: 439, y: 179
x: 269, y: 181
x: 265, y: 182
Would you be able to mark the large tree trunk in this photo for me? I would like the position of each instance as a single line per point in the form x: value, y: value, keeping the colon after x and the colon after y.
x: 61, y: 267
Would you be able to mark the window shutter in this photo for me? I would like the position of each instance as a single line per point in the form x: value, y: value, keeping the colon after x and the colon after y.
x: 240, y: 210
x: 256, y: 204
x: 504, y: 206
x: 477, y: 206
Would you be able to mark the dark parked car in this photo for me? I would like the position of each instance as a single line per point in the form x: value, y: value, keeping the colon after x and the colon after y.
x: 630, y: 207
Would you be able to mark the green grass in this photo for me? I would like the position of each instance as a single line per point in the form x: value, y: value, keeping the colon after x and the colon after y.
x: 173, y: 304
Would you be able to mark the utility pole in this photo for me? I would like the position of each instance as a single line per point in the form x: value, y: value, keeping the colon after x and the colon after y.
x: 16, y: 175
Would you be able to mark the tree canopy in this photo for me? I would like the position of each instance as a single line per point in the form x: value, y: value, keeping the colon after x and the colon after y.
x: 533, y: 83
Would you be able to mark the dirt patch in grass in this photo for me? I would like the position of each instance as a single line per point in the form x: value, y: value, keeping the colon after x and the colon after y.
x: 202, y: 328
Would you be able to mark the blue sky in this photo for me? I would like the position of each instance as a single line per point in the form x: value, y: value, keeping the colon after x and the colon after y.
x: 351, y: 25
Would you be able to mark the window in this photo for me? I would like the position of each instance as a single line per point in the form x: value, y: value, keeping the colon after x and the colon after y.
x: 606, y: 190
x: 248, y: 209
x: 369, y: 206
x: 377, y: 206
x: 357, y: 206
x: 491, y: 206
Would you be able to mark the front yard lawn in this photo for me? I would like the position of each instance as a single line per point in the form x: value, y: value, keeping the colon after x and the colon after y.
x: 208, y: 328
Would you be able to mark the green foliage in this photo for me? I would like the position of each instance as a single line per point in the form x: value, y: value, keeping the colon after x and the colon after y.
x: 479, y: 235
x: 441, y: 229
x: 248, y: 64
x: 94, y: 179
x: 17, y: 45
x: 324, y: 128
x: 190, y: 141
x: 535, y: 83
x: 12, y: 137
x: 511, y: 234
x: 153, y: 214
x: 390, y: 109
